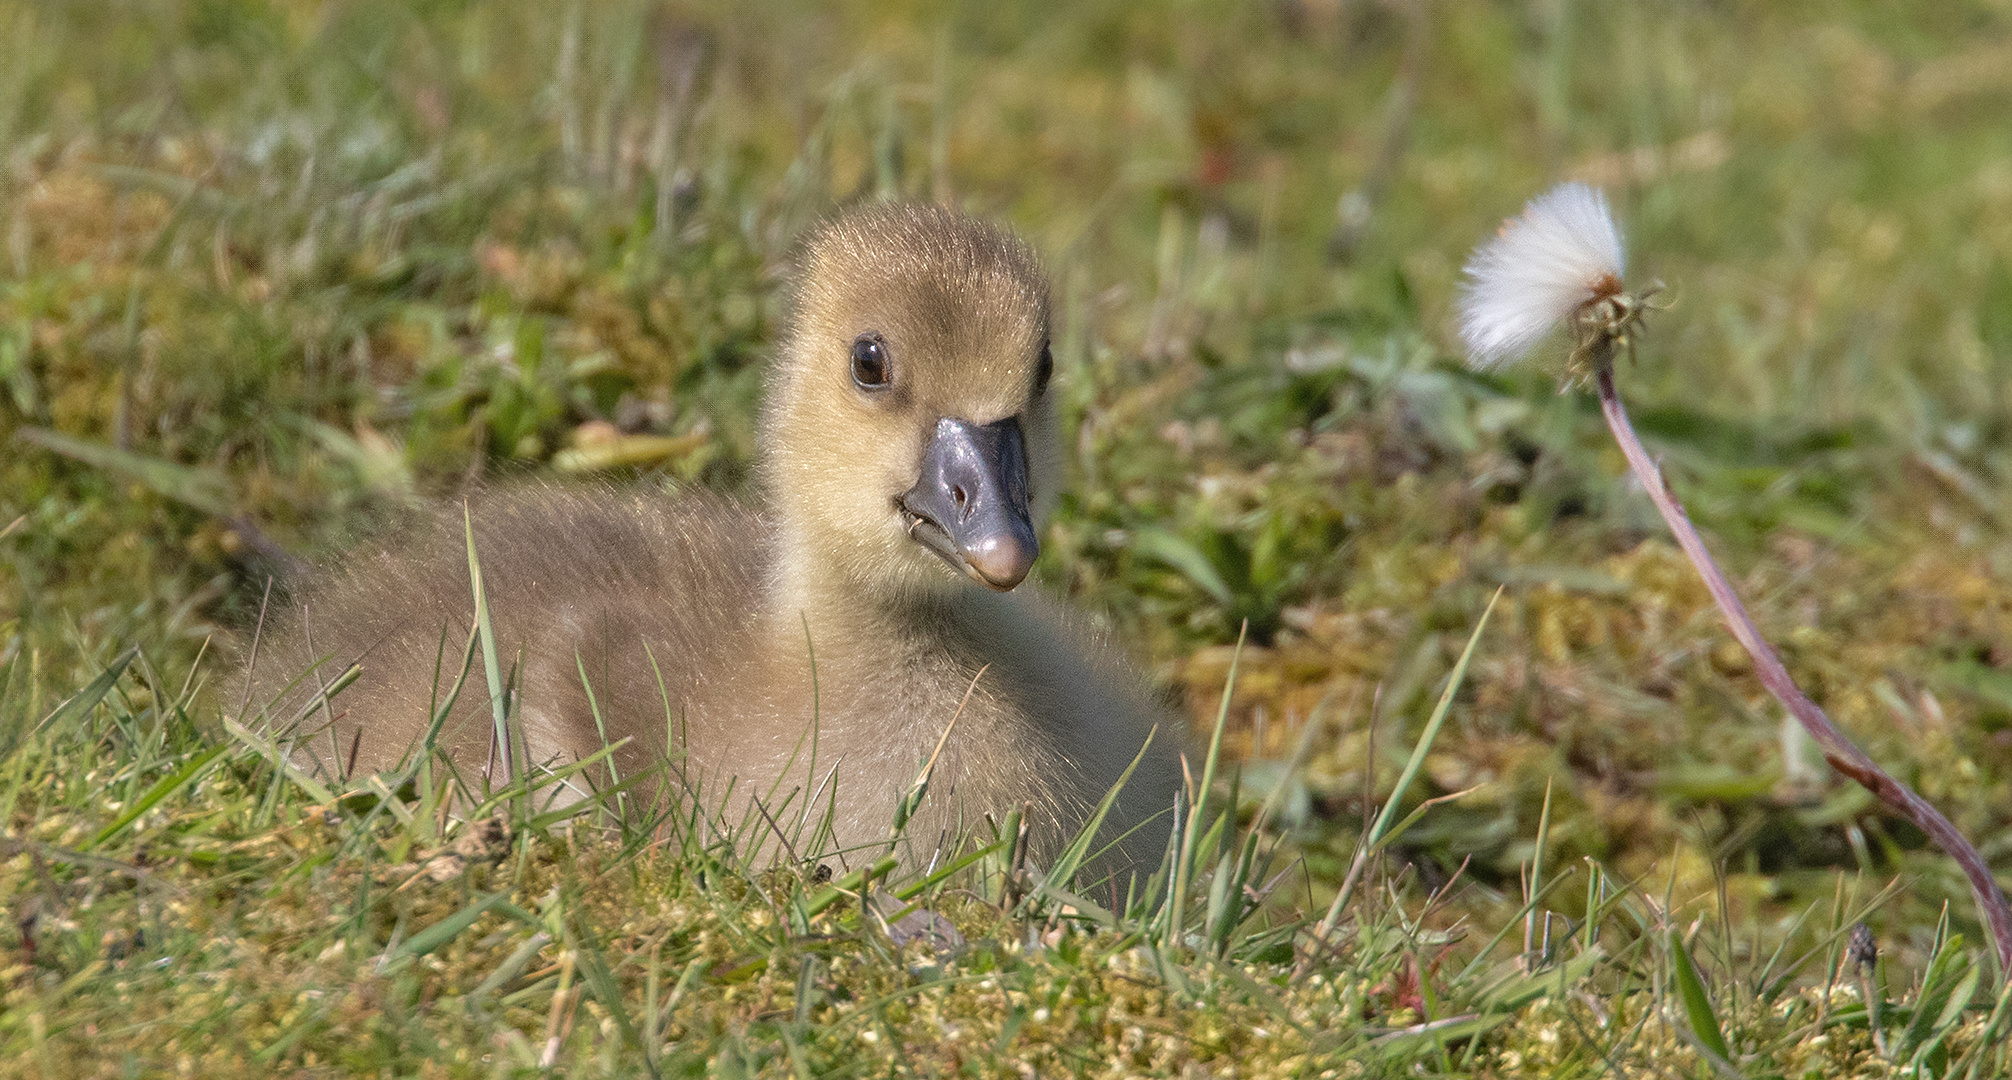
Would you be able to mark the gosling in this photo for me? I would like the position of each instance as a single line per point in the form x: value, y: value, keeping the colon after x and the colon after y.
x: 811, y: 651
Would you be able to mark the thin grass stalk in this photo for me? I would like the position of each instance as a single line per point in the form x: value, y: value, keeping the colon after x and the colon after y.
x: 258, y: 630
x: 1596, y: 895
x: 442, y: 709
x: 1536, y: 882
x: 1063, y: 871
x: 1838, y: 749
x: 1224, y: 923
x: 919, y: 790
x: 83, y: 701
x: 601, y: 730
x: 1014, y: 836
x: 1186, y: 854
x: 514, y: 761
x: 1379, y: 832
x: 599, y: 979
x: 557, y: 1020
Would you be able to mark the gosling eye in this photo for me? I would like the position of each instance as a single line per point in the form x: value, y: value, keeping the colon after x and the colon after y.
x: 1043, y: 370
x: 871, y: 369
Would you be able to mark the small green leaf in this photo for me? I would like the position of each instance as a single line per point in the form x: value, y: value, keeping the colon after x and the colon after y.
x: 1165, y: 547
x: 1697, y: 1004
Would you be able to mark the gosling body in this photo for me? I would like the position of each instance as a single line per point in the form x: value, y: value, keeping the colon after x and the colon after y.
x: 810, y: 651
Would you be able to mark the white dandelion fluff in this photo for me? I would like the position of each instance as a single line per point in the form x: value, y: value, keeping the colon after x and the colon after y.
x: 1539, y: 270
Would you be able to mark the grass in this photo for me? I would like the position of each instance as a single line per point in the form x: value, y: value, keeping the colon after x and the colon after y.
x: 273, y: 270
x: 196, y: 903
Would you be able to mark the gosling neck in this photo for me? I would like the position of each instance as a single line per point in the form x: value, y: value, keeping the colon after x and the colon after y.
x: 813, y: 583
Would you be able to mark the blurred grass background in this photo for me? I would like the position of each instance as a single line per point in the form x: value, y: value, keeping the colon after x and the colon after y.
x: 271, y: 269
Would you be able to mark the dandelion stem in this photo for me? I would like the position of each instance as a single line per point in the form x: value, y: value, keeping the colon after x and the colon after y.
x: 1838, y: 749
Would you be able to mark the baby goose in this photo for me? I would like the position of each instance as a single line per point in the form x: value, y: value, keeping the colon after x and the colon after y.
x: 906, y: 443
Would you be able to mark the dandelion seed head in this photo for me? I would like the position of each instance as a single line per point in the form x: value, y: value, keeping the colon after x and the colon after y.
x: 1560, y: 255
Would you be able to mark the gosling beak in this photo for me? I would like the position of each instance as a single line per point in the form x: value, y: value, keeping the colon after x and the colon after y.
x: 970, y: 505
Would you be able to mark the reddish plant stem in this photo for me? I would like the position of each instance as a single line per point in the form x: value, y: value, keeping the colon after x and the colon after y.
x: 1838, y: 749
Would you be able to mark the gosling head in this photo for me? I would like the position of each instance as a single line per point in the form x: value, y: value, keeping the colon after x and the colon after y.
x: 908, y: 425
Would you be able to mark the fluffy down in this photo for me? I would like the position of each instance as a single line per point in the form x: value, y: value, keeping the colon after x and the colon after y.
x: 1561, y: 254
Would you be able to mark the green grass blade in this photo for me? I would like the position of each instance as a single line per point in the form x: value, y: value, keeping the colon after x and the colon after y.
x: 1086, y: 908
x: 81, y: 703
x: 1696, y: 1002
x: 165, y: 787
x: 203, y: 489
x: 1071, y: 859
x: 1185, y: 855
x: 601, y: 729
x: 1418, y: 813
x: 1165, y: 547
x: 315, y: 789
x: 916, y: 888
x: 492, y: 668
x: 1530, y: 945
x: 1437, y: 720
x: 1379, y: 832
x: 1993, y: 1040
x: 849, y: 885
x: 601, y: 982
x: 449, y: 928
x: 1946, y: 989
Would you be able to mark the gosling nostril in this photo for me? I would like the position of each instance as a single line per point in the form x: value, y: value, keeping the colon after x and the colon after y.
x: 972, y: 494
